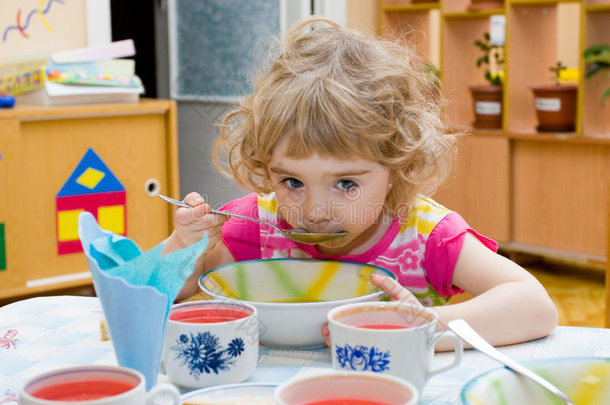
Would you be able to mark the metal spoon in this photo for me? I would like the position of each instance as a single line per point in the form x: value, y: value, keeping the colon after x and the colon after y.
x: 461, y: 328
x: 298, y: 235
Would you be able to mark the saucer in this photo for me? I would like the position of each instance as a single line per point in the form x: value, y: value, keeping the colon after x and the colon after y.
x: 232, y: 391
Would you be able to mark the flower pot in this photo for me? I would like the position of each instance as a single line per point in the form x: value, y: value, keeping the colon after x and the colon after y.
x: 485, y: 4
x: 487, y: 103
x: 555, y: 107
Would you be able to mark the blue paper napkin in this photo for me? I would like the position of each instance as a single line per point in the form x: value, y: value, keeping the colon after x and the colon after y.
x: 136, y: 290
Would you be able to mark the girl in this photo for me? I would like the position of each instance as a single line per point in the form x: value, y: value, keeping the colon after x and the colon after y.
x: 343, y: 134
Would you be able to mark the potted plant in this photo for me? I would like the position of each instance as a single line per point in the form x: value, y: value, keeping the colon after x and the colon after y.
x: 556, y: 104
x: 487, y: 100
x: 597, y: 60
x: 434, y: 75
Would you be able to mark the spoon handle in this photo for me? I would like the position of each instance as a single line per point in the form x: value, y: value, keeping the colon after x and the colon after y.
x: 230, y: 214
x: 227, y: 213
x: 461, y: 328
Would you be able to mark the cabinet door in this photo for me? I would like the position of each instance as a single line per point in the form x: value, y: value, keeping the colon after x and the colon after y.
x: 479, y: 187
x: 561, y: 196
x: 11, y: 234
x: 134, y: 148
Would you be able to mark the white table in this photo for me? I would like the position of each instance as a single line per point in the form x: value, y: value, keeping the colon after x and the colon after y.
x: 45, y: 333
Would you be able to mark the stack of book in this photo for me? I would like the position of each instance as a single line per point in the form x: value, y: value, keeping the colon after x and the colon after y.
x: 82, y: 76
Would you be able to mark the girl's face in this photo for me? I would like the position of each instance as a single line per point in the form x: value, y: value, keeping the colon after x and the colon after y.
x: 325, y: 194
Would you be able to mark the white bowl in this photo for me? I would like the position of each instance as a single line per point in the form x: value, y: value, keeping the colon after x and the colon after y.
x: 342, y: 386
x: 293, y: 296
x: 585, y: 380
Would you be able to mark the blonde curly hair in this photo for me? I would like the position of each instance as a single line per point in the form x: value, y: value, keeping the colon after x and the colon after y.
x: 337, y: 92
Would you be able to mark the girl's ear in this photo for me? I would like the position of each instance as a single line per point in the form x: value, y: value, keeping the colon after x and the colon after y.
x: 393, y: 177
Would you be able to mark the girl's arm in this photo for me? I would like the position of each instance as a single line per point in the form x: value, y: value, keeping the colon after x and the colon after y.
x: 191, y: 224
x: 215, y: 257
x: 509, y: 304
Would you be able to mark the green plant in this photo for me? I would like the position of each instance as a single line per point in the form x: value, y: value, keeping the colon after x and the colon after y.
x: 432, y: 72
x: 597, y: 60
x: 492, y: 58
x: 557, y: 69
x: 433, y: 76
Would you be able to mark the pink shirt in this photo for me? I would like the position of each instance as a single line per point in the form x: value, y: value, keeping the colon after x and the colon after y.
x: 422, y: 250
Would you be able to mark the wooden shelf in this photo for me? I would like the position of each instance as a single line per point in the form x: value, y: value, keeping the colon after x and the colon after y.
x: 557, y: 137
x: 534, y: 38
x: 474, y: 14
x: 540, y: 2
x: 451, y: 7
x: 411, y: 7
x: 532, y: 191
x: 598, y: 8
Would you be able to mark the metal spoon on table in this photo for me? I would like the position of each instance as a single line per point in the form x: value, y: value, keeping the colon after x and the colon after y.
x: 298, y: 235
x: 461, y: 328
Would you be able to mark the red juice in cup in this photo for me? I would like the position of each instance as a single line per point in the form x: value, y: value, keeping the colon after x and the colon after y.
x: 110, y: 385
x: 82, y: 390
x: 383, y: 325
x: 380, y: 319
x: 202, y: 314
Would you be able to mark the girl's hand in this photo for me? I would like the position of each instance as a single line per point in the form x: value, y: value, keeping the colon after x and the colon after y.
x: 193, y: 223
x: 394, y: 289
x: 390, y: 287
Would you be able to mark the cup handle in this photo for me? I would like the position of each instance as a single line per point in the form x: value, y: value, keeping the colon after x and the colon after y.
x: 457, y: 345
x: 163, y: 390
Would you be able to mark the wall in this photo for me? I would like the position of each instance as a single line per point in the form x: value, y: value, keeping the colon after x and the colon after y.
x: 362, y: 15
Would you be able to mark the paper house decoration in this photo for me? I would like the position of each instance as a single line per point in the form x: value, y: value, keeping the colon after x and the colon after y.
x: 91, y: 187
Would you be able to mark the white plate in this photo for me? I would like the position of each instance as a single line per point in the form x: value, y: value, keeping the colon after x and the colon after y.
x: 233, y: 391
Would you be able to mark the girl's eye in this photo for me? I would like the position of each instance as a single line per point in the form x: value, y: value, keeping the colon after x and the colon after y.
x: 346, y: 185
x: 292, y: 183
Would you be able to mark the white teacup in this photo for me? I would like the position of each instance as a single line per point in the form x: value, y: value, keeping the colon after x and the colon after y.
x: 211, y: 343
x: 388, y: 337
x: 95, y: 385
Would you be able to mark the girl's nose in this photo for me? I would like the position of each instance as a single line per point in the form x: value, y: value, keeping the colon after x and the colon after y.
x: 317, y: 209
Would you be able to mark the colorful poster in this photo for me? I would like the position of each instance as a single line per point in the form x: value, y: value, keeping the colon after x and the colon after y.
x: 94, y: 188
x: 33, y: 29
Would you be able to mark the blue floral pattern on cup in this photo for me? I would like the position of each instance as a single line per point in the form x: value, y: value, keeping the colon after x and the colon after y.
x: 363, y: 358
x: 201, y: 353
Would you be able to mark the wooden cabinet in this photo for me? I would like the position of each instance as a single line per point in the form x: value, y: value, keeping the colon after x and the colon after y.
x: 40, y: 152
x: 480, y: 187
x: 538, y: 193
x: 538, y: 34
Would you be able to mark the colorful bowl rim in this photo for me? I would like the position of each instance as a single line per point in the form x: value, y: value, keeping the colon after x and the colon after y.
x: 314, y: 304
x: 528, y: 363
x: 203, y: 391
